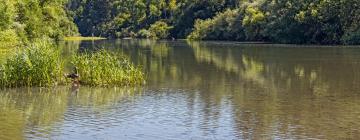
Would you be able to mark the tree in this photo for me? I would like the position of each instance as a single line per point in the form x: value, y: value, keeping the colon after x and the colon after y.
x: 159, y: 30
x: 23, y: 21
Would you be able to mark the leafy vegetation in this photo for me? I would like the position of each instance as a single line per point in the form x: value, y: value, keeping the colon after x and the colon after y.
x: 159, y: 30
x: 24, y: 21
x: 286, y: 21
x: 41, y: 65
x: 224, y: 26
x: 280, y: 21
x: 36, y: 65
x: 37, y: 22
x: 103, y: 68
x: 131, y: 18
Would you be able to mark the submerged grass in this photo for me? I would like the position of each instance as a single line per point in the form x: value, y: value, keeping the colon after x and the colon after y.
x: 36, y: 65
x: 104, y: 68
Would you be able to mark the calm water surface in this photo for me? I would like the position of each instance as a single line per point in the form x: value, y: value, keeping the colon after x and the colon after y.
x: 199, y: 90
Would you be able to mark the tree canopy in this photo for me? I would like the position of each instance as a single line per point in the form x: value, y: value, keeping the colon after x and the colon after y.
x: 23, y: 21
x: 287, y: 21
x: 279, y: 21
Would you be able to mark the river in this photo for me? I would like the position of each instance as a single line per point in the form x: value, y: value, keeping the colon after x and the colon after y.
x: 199, y: 90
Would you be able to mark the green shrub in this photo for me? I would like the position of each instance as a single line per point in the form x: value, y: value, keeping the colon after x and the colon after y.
x: 37, y: 65
x: 252, y: 22
x: 224, y: 26
x: 106, y: 69
x: 160, y: 30
x: 201, y: 29
x: 125, y: 33
x: 143, y: 33
x: 351, y: 38
x: 9, y: 38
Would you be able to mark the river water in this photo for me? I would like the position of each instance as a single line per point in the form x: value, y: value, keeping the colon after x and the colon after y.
x: 199, y: 90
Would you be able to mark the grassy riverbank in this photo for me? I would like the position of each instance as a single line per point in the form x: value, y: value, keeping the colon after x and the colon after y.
x: 41, y: 65
x: 36, y: 65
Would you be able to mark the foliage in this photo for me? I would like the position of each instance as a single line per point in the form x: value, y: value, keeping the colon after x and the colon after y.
x: 37, y: 65
x: 143, y: 33
x: 9, y: 38
x: 287, y: 21
x: 352, y: 37
x: 118, y: 18
x: 40, y: 64
x: 252, y: 22
x: 191, y: 10
x: 159, y: 30
x: 24, y: 21
x: 280, y: 21
x: 224, y: 26
x: 103, y: 68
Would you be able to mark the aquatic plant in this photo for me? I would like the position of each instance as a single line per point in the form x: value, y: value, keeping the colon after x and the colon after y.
x: 41, y: 65
x: 38, y: 64
x: 103, y: 68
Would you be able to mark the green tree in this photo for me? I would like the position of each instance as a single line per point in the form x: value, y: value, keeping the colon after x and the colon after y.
x: 159, y: 30
x: 23, y: 21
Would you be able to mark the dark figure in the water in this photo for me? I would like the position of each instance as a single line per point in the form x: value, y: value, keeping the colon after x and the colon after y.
x: 75, y: 78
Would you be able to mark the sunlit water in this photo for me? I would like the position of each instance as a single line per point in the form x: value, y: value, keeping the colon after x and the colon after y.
x: 208, y: 90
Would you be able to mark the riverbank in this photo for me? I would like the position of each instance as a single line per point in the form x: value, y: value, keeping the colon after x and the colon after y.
x: 42, y: 65
x: 81, y: 38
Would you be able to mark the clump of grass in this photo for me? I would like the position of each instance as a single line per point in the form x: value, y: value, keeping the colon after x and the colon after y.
x: 103, y: 68
x: 37, y: 65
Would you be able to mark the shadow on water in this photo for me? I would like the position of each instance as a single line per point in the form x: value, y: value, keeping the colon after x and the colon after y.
x: 200, y: 90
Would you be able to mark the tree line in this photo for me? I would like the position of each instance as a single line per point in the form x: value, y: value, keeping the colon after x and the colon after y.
x: 24, y: 21
x: 142, y: 18
x: 281, y: 21
x: 278, y: 21
x: 285, y: 21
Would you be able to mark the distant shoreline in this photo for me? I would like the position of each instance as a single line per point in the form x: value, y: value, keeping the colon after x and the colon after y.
x: 81, y: 38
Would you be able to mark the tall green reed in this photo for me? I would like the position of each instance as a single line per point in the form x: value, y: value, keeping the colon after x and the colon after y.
x: 38, y: 64
x: 41, y: 65
x: 104, y: 68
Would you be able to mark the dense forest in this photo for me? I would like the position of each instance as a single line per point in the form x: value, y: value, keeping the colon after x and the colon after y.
x: 143, y: 18
x: 279, y: 21
x: 23, y: 21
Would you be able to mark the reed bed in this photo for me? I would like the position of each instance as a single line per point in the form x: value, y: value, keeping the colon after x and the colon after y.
x: 41, y: 65
x: 103, y: 68
x: 38, y: 64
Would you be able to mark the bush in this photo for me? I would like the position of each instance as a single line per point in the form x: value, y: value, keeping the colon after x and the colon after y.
x: 351, y: 38
x: 201, y: 30
x: 106, y: 69
x: 160, y: 30
x: 9, y: 38
x: 143, y: 33
x: 224, y: 26
x: 125, y: 33
x: 37, y: 65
